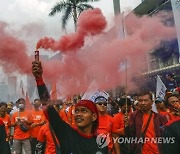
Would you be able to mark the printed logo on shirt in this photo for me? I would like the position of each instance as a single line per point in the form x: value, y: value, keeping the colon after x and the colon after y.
x: 37, y: 117
x: 5, y: 123
x: 103, y: 140
x: 98, y: 152
x: 21, y: 118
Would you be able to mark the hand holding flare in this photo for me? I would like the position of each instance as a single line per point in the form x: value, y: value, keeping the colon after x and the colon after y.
x: 36, y: 67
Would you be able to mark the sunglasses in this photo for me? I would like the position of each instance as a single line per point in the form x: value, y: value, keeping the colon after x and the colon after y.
x: 105, y: 104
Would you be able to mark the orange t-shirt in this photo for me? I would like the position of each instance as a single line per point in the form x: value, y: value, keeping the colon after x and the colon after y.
x: 45, y: 136
x: 149, y: 147
x: 70, y: 115
x: 18, y: 133
x: 166, y: 114
x: 7, y: 123
x: 118, y: 121
x: 36, y: 117
x: 106, y: 124
x: 63, y: 115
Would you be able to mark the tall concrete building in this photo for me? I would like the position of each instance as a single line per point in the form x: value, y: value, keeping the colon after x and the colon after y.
x: 3, y: 91
x: 12, y: 85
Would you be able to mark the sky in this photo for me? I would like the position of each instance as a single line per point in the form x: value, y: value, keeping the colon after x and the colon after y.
x: 24, y: 15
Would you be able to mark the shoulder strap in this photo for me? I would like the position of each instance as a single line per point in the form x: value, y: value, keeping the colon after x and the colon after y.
x: 147, y: 125
x: 53, y: 136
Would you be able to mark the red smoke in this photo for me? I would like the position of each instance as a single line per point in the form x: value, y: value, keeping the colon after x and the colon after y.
x: 13, y: 56
x: 91, y: 22
x: 101, y: 62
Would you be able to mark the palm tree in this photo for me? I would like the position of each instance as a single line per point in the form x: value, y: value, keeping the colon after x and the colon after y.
x: 71, y: 8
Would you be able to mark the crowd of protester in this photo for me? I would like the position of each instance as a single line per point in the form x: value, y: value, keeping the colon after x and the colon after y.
x: 73, y: 126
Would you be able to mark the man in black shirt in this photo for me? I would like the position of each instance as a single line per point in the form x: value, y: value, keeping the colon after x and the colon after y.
x: 172, y: 132
x: 4, y: 145
x: 80, y: 140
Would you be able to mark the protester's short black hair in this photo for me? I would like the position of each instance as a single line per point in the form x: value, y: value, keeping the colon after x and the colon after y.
x: 123, y: 100
x: 167, y: 104
x: 58, y: 102
x: 20, y: 99
x: 37, y: 99
x: 142, y: 93
x: 159, y: 100
x: 3, y: 104
x: 170, y: 74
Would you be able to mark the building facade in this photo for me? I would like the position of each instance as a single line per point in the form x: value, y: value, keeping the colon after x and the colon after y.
x: 164, y: 59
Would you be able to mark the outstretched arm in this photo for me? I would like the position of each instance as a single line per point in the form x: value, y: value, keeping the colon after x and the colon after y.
x: 58, y: 125
x: 42, y: 89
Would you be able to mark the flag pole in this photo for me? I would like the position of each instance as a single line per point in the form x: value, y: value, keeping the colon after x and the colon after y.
x: 126, y: 84
x: 125, y: 61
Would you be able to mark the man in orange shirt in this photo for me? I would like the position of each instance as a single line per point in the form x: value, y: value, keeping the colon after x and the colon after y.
x: 173, y: 103
x: 5, y: 118
x: 38, y: 119
x: 119, y: 121
x: 45, y: 140
x: 162, y: 108
x: 21, y: 122
x: 67, y: 113
x: 106, y: 124
x: 145, y: 124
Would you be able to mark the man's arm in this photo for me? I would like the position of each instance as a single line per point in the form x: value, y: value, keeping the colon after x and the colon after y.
x: 129, y: 126
x: 58, y: 125
x: 42, y: 89
x: 43, y: 92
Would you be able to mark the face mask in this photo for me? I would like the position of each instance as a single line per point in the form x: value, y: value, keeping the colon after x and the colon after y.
x: 21, y: 106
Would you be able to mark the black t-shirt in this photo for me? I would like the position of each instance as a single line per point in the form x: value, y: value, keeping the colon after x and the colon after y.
x: 172, y: 132
x: 4, y: 145
x: 71, y: 142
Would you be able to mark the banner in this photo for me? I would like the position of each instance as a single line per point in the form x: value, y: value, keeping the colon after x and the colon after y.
x: 160, y: 88
x: 95, y: 94
x: 92, y: 93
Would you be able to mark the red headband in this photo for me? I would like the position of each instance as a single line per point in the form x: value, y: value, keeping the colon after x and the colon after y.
x: 88, y: 104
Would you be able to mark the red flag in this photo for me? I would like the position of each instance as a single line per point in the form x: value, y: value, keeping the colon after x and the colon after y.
x: 28, y: 103
x: 53, y: 92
